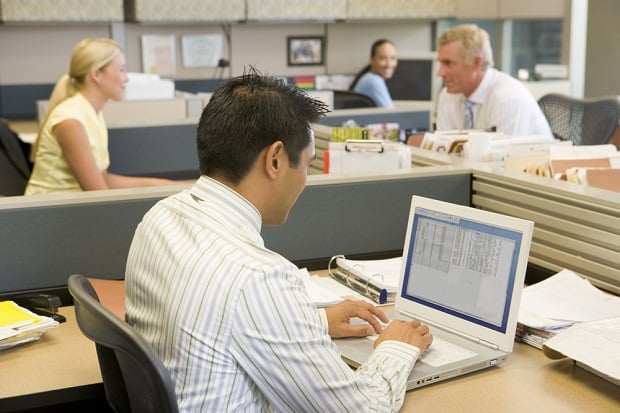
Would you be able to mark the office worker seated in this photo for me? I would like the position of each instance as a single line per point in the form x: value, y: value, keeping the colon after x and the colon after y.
x: 71, y: 150
x: 371, y: 79
x: 231, y: 319
x: 497, y: 101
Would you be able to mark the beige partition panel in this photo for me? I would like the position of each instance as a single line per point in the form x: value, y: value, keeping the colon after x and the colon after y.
x: 400, y: 9
x: 61, y: 10
x: 185, y: 10
x: 575, y: 229
x: 296, y: 9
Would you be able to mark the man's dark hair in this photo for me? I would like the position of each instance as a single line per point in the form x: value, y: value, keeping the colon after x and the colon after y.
x: 246, y: 115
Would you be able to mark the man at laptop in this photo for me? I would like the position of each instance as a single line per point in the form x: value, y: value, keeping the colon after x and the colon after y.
x: 230, y: 319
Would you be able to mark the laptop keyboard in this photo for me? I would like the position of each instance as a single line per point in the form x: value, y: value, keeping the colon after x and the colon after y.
x: 441, y: 352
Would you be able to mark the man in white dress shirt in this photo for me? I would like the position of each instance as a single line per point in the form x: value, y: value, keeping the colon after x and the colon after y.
x: 230, y: 319
x: 476, y: 95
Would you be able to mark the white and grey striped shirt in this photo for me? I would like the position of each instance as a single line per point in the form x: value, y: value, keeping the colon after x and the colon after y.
x: 232, y: 320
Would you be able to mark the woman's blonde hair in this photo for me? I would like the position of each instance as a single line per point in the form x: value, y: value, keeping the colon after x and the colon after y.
x: 474, y: 42
x: 88, y: 55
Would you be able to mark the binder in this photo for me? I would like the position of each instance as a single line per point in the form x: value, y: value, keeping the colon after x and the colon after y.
x: 364, y: 279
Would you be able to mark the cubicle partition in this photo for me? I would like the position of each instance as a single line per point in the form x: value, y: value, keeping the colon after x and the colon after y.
x: 576, y: 228
x: 360, y: 218
x: 166, y: 151
x: 47, y: 238
x: 412, y: 116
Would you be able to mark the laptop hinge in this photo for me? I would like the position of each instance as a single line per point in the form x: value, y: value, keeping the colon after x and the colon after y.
x: 452, y: 331
x: 487, y: 344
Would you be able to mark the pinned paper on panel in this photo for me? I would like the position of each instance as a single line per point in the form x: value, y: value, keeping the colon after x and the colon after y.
x: 159, y: 55
x: 203, y: 50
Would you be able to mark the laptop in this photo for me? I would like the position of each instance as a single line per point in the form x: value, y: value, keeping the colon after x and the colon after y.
x: 462, y: 274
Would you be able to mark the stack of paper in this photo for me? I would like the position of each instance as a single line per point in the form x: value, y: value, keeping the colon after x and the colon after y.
x: 148, y: 86
x: 19, y: 325
x: 551, y: 306
x: 595, y: 346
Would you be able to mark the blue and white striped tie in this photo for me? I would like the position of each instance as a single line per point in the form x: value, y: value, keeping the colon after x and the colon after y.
x: 469, y: 115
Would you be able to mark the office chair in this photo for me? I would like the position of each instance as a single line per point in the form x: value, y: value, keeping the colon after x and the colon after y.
x: 346, y: 99
x: 583, y: 121
x: 134, y: 378
x: 15, y: 168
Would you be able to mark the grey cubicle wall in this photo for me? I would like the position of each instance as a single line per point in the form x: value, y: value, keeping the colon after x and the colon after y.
x: 356, y: 219
x: 167, y: 151
x: 44, y: 243
x: 406, y: 119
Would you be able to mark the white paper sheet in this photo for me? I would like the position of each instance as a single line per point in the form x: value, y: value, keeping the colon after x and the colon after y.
x: 563, y: 299
x: 595, y: 344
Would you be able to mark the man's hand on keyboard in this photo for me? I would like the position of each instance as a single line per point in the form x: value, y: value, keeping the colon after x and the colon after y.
x: 411, y: 332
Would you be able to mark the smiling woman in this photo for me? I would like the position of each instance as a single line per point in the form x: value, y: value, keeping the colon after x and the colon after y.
x: 71, y: 150
x: 371, y: 80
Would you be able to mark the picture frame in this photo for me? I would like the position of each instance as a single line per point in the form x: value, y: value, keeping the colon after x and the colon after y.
x: 306, y: 50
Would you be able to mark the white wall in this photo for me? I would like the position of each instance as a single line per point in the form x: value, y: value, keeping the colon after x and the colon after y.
x: 39, y: 54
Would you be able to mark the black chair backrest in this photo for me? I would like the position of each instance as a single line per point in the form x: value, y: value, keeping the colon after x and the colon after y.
x: 15, y: 167
x: 134, y: 378
x: 346, y: 99
x: 583, y: 121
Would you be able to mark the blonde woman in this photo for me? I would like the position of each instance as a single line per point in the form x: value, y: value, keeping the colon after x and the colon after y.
x: 71, y: 151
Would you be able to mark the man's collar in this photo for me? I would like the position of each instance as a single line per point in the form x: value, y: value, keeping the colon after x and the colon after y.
x: 484, y: 88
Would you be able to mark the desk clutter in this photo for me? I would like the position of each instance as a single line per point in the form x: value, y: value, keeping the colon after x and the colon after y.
x: 596, y: 166
x: 566, y: 316
x: 479, y: 145
x: 19, y: 325
x: 371, y: 149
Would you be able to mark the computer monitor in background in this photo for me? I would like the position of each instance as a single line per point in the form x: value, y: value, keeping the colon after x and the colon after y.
x: 415, y: 78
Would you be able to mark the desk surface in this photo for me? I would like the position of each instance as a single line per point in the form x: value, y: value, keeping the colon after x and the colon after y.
x: 64, y: 363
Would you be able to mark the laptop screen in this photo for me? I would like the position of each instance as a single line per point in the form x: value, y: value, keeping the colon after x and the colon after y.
x: 461, y: 266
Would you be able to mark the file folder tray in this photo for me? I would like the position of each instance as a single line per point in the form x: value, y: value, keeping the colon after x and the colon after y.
x: 363, y: 145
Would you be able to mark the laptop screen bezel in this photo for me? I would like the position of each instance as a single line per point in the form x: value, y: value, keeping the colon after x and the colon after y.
x: 502, y: 337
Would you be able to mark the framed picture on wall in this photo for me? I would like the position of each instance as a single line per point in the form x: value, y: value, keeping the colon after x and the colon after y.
x: 306, y: 50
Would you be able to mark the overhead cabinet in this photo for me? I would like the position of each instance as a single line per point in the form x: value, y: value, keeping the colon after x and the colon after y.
x: 274, y: 10
x: 510, y: 9
x: 400, y: 9
x: 185, y: 10
x: 61, y: 10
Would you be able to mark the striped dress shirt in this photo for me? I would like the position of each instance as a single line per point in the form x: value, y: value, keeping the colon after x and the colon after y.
x: 232, y: 320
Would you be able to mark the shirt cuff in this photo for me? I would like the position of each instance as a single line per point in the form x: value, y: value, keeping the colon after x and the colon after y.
x: 323, y: 318
x: 404, y: 351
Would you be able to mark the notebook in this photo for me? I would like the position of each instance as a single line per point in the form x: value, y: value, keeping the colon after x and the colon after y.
x: 462, y: 274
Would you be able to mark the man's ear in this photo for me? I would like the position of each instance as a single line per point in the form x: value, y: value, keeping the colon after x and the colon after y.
x: 478, y: 62
x: 275, y: 158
